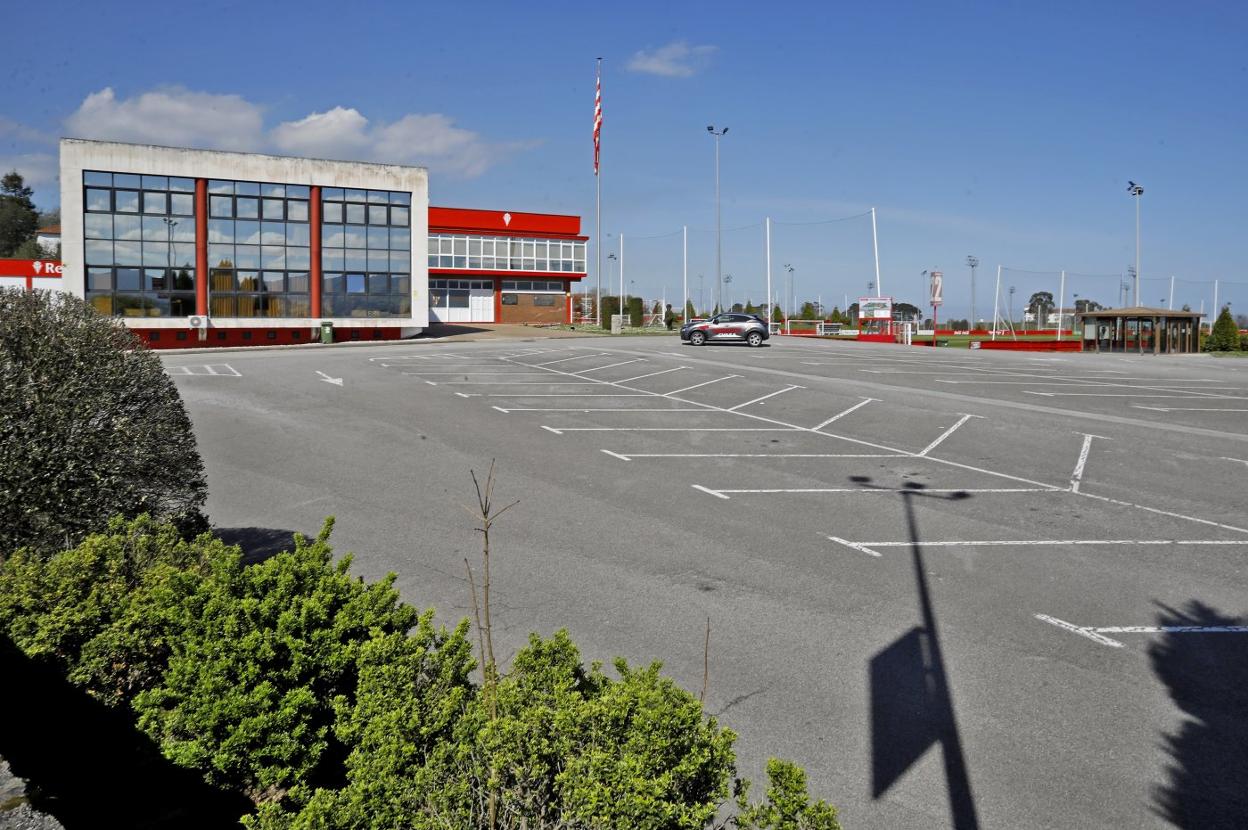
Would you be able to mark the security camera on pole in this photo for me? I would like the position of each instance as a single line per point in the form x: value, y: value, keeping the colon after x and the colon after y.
x: 937, y: 298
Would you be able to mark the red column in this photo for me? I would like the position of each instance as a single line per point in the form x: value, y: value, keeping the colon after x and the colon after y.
x: 498, y: 300
x: 201, y: 247
x: 314, y: 216
x: 568, y: 289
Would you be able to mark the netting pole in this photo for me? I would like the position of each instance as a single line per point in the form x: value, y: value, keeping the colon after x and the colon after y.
x: 1213, y: 315
x: 1171, y: 292
x: 768, y: 226
x: 1061, y: 301
x: 684, y: 255
x: 996, y: 304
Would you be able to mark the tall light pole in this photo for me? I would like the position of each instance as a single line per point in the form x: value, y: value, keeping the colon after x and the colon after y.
x: 701, y: 296
x: 1136, y: 191
x: 728, y: 283
x: 1011, y: 308
x: 972, y: 261
x: 718, y: 134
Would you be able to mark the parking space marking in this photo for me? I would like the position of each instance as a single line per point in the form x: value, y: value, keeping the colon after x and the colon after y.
x: 841, y: 415
x: 583, y: 409
x: 562, y: 430
x: 765, y: 397
x: 942, y: 461
x: 1185, y: 409
x: 1009, y: 543
x: 571, y: 395
x: 931, y: 490
x: 1076, y: 476
x: 585, y: 382
x: 574, y: 357
x: 204, y: 370
x: 610, y: 366
x: 1097, y: 633
x: 695, y: 386
x: 1161, y: 512
x: 751, y: 455
x: 946, y: 434
x: 1187, y: 397
x: 1239, y: 460
x: 652, y: 374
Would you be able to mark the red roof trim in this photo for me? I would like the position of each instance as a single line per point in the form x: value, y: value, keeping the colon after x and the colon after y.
x: 509, y: 223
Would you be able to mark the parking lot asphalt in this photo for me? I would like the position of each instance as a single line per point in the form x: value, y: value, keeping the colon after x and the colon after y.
x: 962, y: 588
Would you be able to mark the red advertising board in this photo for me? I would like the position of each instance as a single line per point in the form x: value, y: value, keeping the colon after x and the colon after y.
x: 29, y: 268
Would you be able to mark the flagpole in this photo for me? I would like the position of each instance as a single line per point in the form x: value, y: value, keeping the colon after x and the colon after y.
x: 598, y: 196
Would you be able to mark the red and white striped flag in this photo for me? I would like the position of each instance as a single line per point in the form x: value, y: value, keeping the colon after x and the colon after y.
x: 597, y: 118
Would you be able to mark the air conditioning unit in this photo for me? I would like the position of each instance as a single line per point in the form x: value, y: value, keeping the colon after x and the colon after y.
x: 198, y: 321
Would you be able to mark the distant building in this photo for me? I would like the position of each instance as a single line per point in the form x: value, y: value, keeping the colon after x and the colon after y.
x: 198, y: 247
x: 49, y: 237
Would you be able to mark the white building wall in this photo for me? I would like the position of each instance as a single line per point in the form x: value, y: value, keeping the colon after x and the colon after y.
x: 78, y: 155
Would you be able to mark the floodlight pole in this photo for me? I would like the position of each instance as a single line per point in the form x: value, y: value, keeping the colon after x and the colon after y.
x: 875, y: 243
x: 768, y: 228
x: 621, y: 282
x: 1172, y: 292
x: 718, y: 134
x: 684, y: 269
x: 996, y: 304
x: 1061, y: 300
x: 1136, y: 191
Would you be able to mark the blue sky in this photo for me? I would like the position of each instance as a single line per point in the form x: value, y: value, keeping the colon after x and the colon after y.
x: 1006, y: 130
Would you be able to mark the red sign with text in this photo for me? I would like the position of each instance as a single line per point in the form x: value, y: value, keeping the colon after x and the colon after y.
x: 30, y: 268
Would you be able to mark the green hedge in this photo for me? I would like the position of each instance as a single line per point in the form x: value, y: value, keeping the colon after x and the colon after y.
x: 331, y: 704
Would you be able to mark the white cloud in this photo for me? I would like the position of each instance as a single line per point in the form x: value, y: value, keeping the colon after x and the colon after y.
x: 180, y: 117
x: 338, y: 133
x: 677, y: 59
x: 171, y: 116
x: 37, y: 169
x: 427, y: 139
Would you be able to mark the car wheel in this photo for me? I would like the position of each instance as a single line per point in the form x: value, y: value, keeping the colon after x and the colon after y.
x: 697, y: 338
x: 754, y: 338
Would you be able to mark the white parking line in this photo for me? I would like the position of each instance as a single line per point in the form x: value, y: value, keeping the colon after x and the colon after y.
x: 841, y: 415
x: 1026, y: 543
x: 1097, y: 633
x: 520, y: 382
x: 946, y: 434
x: 1185, y: 409
x: 1076, y: 477
x: 942, y: 461
x: 764, y: 397
x: 1239, y: 460
x: 698, y: 385
x: 565, y: 359
x: 610, y: 366
x: 570, y: 395
x: 1190, y: 396
x: 757, y: 455
x: 583, y: 409
x: 652, y: 374
x: 674, y: 429
x: 870, y: 490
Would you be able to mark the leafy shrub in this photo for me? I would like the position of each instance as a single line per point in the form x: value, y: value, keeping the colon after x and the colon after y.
x: 636, y: 312
x: 331, y: 704
x: 1224, y: 337
x: 92, y: 426
x: 610, y: 306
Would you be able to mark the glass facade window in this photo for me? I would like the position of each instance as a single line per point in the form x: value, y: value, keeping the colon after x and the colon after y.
x: 139, y: 244
x: 366, y: 253
x: 534, y: 285
x: 505, y: 253
x: 258, y: 249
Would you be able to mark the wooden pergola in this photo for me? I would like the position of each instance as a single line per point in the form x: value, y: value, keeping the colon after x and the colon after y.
x: 1140, y: 330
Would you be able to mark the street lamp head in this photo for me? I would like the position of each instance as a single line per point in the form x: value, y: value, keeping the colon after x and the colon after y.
x: 1134, y: 189
x: 710, y: 128
x: 724, y: 131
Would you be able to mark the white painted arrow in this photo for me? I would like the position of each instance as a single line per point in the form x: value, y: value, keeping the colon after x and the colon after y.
x: 328, y: 379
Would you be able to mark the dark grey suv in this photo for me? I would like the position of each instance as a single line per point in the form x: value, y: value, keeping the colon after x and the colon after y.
x: 732, y: 327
